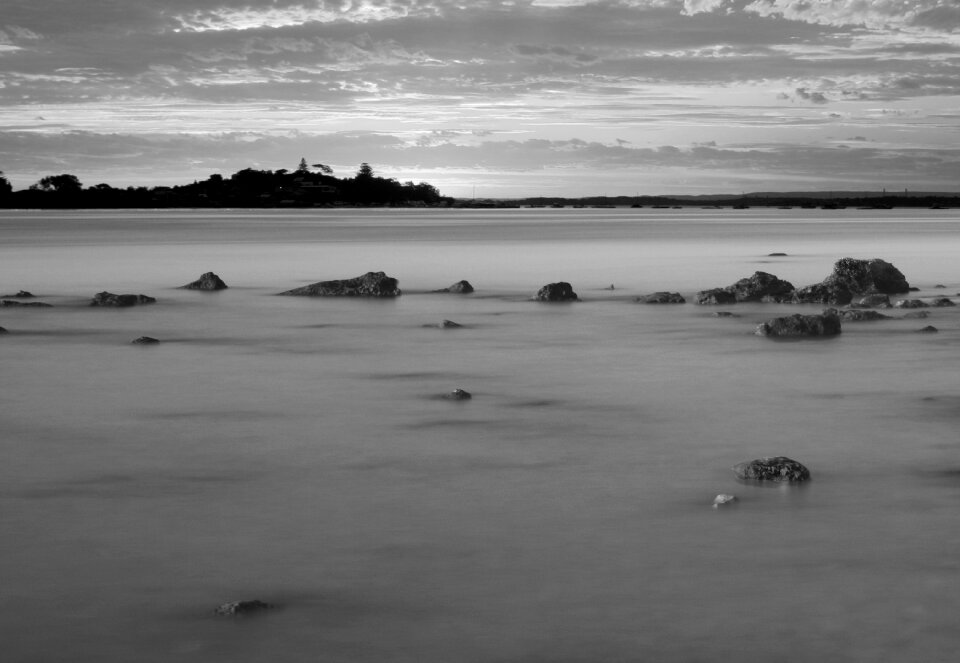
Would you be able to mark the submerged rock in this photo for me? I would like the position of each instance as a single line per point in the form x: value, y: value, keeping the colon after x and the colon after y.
x: 772, y: 468
x: 940, y: 302
x: 11, y: 302
x: 916, y: 315
x: 145, y: 340
x: 725, y: 314
x: 3, y: 331
x: 861, y: 315
x: 23, y: 294
x: 208, y: 281
x: 778, y: 254
x: 662, y: 298
x: 910, y: 303
x: 458, y: 395
x: 760, y: 286
x: 852, y: 277
x: 929, y: 329
x: 556, y: 292
x: 445, y: 324
x: 459, y: 288
x: 371, y: 284
x: 110, y: 299
x: 796, y: 325
x: 242, y: 608
x: 872, y: 301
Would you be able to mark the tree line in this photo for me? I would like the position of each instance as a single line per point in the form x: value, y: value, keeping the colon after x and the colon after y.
x: 309, y: 185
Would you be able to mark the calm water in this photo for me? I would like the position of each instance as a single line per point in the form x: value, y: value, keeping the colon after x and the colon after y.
x: 295, y: 450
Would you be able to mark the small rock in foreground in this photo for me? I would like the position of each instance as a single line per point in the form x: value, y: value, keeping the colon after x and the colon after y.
x: 459, y: 288
x: 796, y: 325
x: 242, y: 608
x: 723, y: 500
x: 458, y: 395
x: 145, y: 340
x: 110, y: 299
x: 208, y: 281
x: 556, y: 292
x: 929, y: 329
x: 772, y: 468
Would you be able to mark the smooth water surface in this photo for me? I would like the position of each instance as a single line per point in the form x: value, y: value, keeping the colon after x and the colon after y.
x: 298, y: 451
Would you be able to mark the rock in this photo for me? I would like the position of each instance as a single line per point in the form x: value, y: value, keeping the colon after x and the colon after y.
x: 144, y: 340
x: 460, y: 288
x: 761, y: 286
x: 940, y: 302
x: 929, y: 329
x: 861, y: 315
x: 716, y: 296
x: 23, y: 294
x: 445, y: 324
x: 723, y: 499
x: 556, y: 292
x: 242, y: 608
x: 110, y: 299
x: 662, y: 298
x: 11, y: 302
x: 371, y: 284
x: 872, y: 301
x: 914, y: 315
x: 776, y: 255
x: 208, y: 281
x: 910, y: 303
x: 772, y: 468
x: 458, y: 395
x: 725, y: 314
x: 852, y: 277
x: 3, y: 331
x: 826, y: 324
x: 940, y: 286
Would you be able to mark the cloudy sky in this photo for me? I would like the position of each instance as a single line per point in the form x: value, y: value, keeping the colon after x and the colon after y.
x: 488, y: 97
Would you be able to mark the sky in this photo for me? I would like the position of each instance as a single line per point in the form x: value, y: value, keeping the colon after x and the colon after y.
x: 488, y: 98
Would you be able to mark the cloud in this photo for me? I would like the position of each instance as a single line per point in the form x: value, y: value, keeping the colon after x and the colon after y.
x: 874, y: 14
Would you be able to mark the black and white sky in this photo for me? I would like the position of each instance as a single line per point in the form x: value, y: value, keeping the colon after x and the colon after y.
x: 488, y: 97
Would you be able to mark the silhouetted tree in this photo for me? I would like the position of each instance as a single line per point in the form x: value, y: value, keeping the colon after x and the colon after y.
x: 365, y: 172
x: 303, y: 167
x: 5, y: 187
x: 58, y: 183
x: 323, y: 168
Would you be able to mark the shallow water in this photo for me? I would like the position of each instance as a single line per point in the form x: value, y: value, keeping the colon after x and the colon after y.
x: 296, y: 450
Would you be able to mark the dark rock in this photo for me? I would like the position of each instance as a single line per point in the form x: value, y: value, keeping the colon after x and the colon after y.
x: 910, y: 303
x: 772, y: 468
x: 852, y: 277
x: 458, y: 395
x: 940, y: 302
x: 110, y: 299
x: 23, y: 294
x: 725, y: 314
x: 371, y: 284
x: 913, y: 315
x: 872, y: 301
x: 940, y: 286
x: 861, y: 315
x: 3, y: 331
x: 445, y: 324
x: 662, y: 298
x: 144, y: 340
x: 10, y: 302
x: 777, y: 255
x: 208, y: 281
x: 556, y: 292
x: 460, y: 288
x: 929, y: 329
x: 242, y: 608
x: 761, y: 286
x: 826, y: 324
x: 716, y: 296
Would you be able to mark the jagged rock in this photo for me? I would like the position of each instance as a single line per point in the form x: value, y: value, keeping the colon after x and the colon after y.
x: 716, y: 296
x: 662, y: 298
x: 910, y: 303
x: 852, y: 277
x: 23, y: 294
x: 915, y: 315
x: 825, y: 324
x: 110, y: 299
x: 929, y: 329
x: 371, y: 284
x: 861, y: 315
x: 11, y: 302
x: 872, y: 301
x: 940, y: 302
x: 556, y: 292
x: 458, y: 395
x: 772, y: 468
x: 208, y: 281
x: 242, y: 608
x: 144, y: 340
x: 460, y: 288
x: 723, y: 500
x: 761, y: 286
